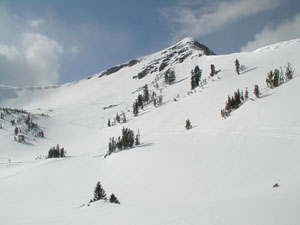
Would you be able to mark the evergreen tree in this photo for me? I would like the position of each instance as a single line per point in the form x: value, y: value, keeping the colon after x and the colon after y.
x: 140, y: 101
x: 114, y: 199
x: 135, y: 108
x: 62, y: 152
x: 118, y: 119
x: 166, y: 77
x: 237, y: 66
x: 246, y: 94
x: 16, y: 131
x: 193, y: 85
x: 188, y: 124
x: 154, y: 102
x: 108, y: 123
x: 160, y: 100
x: 276, y: 78
x: 256, y: 91
x: 146, y: 93
x: 212, y: 70
x: 172, y: 77
x: 289, y: 72
x: 269, y: 79
x: 99, y: 193
x: 198, y: 74
x: 137, y: 138
x: 124, y: 120
x: 195, y: 77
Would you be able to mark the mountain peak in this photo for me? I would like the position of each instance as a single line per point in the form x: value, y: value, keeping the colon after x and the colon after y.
x: 194, y: 44
x: 187, y: 40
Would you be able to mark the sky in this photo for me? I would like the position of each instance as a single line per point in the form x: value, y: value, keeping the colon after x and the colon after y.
x: 54, y: 42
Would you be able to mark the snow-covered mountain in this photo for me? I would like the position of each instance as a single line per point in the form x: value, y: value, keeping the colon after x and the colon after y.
x: 221, y: 171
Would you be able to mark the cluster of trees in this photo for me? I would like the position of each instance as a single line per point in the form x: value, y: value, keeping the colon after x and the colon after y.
x: 128, y: 140
x: 9, y: 111
x: 99, y: 194
x: 117, y: 119
x: 234, y: 102
x: 238, y: 98
x: 170, y: 77
x: 56, y: 152
x: 30, y: 124
x: 22, y: 122
x: 146, y: 98
x: 196, y: 74
x: 277, y: 77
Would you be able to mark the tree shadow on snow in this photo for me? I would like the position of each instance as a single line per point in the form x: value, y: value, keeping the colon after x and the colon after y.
x: 180, y: 80
x: 248, y: 70
x: 143, y: 145
x: 266, y: 95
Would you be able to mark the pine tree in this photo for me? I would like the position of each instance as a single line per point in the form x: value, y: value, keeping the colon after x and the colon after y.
x: 108, y: 123
x: 188, y: 124
x: 198, y: 74
x: 99, y: 193
x: 195, y: 77
x: 172, y: 76
x: 269, y: 79
x: 246, y: 94
x: 118, y: 119
x: 212, y: 70
x: 62, y: 152
x: 16, y: 131
x: 137, y: 138
x: 256, y: 91
x: 167, y: 78
x: 124, y: 120
x: 146, y: 93
x: 160, y: 100
x: 140, y: 101
x: 237, y: 66
x: 276, y: 78
x: 193, y: 83
x: 289, y: 72
x: 135, y: 108
x: 114, y: 199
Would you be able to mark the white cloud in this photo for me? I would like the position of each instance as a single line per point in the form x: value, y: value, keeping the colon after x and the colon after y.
x: 36, y: 23
x: 10, y: 52
x: 27, y: 58
x: 35, y: 63
x: 204, y: 19
x: 285, y: 31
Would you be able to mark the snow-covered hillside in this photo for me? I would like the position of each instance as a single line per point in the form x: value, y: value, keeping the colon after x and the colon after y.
x: 221, y: 171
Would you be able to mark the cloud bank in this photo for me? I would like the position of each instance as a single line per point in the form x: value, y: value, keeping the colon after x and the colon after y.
x: 29, y: 58
x: 285, y: 31
x: 195, y: 19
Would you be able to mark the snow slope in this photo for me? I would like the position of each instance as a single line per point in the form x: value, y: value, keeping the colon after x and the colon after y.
x: 220, y: 172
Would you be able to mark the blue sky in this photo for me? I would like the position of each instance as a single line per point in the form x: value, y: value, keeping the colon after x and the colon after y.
x: 53, y: 42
